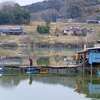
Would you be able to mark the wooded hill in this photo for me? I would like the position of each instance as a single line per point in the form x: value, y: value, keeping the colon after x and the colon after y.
x: 53, y: 9
x: 13, y: 13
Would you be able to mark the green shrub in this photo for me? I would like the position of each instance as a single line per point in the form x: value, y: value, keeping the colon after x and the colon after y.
x: 43, y: 29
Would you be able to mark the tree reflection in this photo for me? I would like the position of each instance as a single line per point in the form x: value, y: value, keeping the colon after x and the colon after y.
x: 10, y: 81
x: 43, y: 61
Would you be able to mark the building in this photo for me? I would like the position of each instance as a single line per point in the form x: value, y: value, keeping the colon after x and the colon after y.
x: 59, y: 20
x: 92, y: 21
x: 73, y: 30
x: 16, y: 31
x: 11, y: 31
x: 4, y: 30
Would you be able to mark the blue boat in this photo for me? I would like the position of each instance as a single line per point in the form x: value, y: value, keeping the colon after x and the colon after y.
x: 32, y: 70
x: 1, y: 69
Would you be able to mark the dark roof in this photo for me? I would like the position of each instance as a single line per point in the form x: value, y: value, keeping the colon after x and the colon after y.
x: 88, y: 49
x: 94, y: 48
x: 17, y: 28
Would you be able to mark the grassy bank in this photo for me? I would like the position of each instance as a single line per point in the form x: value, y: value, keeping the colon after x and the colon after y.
x: 34, y: 36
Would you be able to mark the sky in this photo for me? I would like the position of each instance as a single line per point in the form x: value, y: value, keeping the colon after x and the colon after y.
x: 23, y: 2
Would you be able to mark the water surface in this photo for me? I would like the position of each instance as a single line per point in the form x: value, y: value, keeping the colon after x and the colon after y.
x: 53, y: 86
x: 39, y: 87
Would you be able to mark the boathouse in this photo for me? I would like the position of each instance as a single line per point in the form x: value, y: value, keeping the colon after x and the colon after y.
x: 90, y: 56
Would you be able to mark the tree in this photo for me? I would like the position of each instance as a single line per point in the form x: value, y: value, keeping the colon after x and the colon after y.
x: 44, y: 29
x: 14, y: 14
x: 87, y: 7
x: 73, y: 12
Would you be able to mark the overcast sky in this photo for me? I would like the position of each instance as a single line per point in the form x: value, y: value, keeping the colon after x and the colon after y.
x: 23, y: 2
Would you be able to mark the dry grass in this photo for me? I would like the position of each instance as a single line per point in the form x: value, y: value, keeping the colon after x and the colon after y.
x: 33, y: 25
x: 31, y: 29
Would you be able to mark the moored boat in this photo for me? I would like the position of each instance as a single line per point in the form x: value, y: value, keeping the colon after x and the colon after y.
x: 1, y: 69
x: 32, y: 70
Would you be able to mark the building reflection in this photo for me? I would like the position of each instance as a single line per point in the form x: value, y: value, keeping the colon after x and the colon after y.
x: 88, y: 85
x: 83, y: 84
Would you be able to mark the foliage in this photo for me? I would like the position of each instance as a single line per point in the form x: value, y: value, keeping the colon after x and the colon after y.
x: 64, y: 9
x: 99, y: 34
x: 43, y: 61
x: 4, y: 18
x: 84, y: 32
x: 54, y: 4
x: 44, y: 29
x: 48, y: 22
x: 91, y: 1
x: 73, y: 12
x: 14, y: 15
x: 98, y: 18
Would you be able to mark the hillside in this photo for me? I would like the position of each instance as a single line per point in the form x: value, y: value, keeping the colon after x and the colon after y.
x: 33, y: 37
x: 53, y: 9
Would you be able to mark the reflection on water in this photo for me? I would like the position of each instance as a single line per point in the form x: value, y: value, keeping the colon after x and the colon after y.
x: 44, y: 57
x: 89, y: 85
x: 51, y: 86
x: 82, y: 87
x: 39, y: 86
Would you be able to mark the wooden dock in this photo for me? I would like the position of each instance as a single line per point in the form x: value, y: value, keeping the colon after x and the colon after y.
x: 51, y: 69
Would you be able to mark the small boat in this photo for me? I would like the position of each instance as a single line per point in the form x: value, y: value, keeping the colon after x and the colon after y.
x: 1, y: 69
x: 32, y: 70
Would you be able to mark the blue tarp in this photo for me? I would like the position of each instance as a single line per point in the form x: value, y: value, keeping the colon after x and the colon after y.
x: 94, y: 57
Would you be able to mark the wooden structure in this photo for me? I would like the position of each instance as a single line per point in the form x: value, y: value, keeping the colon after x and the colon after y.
x: 91, y: 54
x: 88, y: 60
x: 90, y: 57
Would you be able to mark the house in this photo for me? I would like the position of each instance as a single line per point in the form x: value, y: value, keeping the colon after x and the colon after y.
x: 92, y: 22
x: 4, y: 30
x: 71, y: 20
x: 73, y: 30
x: 67, y: 30
x: 59, y: 20
x: 16, y: 31
x: 12, y: 31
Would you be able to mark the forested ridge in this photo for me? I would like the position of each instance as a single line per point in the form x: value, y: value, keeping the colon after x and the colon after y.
x: 80, y: 10
x: 53, y: 9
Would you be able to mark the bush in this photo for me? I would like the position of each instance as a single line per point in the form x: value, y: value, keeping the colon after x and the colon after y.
x: 43, y: 29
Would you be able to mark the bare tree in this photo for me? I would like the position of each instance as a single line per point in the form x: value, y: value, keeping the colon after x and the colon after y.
x: 7, y: 3
x: 87, y: 7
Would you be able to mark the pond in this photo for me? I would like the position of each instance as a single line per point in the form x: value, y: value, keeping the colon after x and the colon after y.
x: 19, y: 85
x: 47, y: 87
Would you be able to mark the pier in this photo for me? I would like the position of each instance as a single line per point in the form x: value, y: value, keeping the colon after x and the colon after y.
x: 50, y: 69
